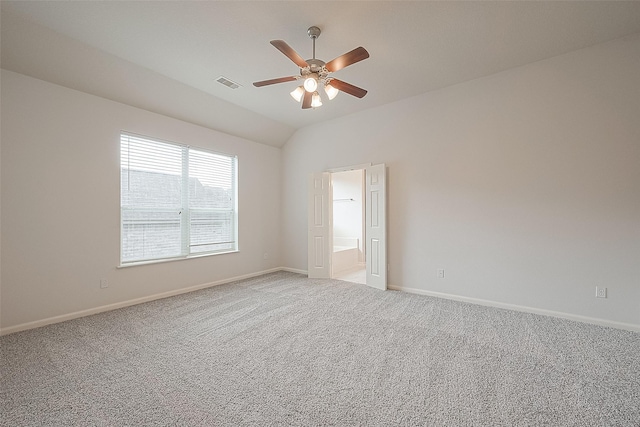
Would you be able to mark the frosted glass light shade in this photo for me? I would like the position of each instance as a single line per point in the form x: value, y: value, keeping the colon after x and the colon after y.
x: 297, y: 93
x: 331, y: 91
x: 310, y: 84
x: 315, y: 100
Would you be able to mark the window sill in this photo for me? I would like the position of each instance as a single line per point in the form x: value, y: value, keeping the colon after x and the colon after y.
x: 160, y: 261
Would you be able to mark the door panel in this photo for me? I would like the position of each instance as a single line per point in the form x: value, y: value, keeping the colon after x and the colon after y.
x: 319, y: 221
x: 375, y: 226
x: 319, y: 252
x: 375, y: 257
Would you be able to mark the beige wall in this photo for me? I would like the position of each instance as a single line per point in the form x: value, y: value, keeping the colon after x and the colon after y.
x: 60, y: 203
x: 524, y: 185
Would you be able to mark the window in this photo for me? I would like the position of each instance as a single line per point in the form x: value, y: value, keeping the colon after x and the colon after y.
x: 175, y: 201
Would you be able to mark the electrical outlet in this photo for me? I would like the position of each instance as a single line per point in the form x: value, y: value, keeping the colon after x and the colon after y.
x: 104, y: 283
x: 601, y: 292
x: 440, y: 273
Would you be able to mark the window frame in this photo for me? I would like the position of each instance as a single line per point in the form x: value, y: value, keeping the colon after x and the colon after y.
x: 185, y: 210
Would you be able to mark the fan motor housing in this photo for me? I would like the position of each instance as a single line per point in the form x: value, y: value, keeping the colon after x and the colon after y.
x: 315, y: 65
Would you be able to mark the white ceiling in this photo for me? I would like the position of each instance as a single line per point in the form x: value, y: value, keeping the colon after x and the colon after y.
x: 166, y: 56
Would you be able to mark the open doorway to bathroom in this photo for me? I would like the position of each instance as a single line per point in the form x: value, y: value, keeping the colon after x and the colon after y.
x: 320, y: 246
x: 348, y: 256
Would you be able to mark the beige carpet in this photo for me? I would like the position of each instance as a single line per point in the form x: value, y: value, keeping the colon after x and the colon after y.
x: 282, y: 349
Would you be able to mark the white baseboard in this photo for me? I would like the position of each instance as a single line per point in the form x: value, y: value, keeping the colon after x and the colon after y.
x: 488, y: 303
x: 122, y: 304
x: 294, y: 270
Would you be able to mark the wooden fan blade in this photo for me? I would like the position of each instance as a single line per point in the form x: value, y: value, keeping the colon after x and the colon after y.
x: 306, y: 101
x: 348, y: 88
x: 288, y: 51
x: 274, y: 81
x: 356, y: 55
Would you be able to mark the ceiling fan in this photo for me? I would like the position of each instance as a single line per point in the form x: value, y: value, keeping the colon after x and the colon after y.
x: 314, y: 72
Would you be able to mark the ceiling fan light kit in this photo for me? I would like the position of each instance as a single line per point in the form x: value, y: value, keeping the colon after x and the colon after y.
x: 297, y: 93
x: 331, y: 91
x: 315, y: 73
x: 311, y: 83
x: 315, y: 100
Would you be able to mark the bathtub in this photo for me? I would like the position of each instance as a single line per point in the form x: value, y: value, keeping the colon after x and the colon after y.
x: 345, y: 254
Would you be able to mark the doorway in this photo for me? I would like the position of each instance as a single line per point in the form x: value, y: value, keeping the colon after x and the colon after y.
x: 348, y: 260
x: 321, y: 224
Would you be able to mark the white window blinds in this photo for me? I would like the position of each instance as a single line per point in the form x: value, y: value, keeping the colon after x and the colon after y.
x: 176, y: 201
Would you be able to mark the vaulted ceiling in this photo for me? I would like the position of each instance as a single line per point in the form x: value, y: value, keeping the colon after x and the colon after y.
x: 166, y: 56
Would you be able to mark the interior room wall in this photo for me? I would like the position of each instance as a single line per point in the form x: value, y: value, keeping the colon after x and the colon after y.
x: 347, y: 206
x: 524, y: 186
x: 61, y: 208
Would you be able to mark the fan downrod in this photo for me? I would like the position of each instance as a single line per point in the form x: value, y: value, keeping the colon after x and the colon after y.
x: 315, y: 65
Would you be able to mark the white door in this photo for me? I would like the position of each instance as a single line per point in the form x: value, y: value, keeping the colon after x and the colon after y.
x: 320, y: 238
x: 376, y: 226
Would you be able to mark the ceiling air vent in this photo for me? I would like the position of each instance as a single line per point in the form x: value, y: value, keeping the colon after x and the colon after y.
x: 228, y: 83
